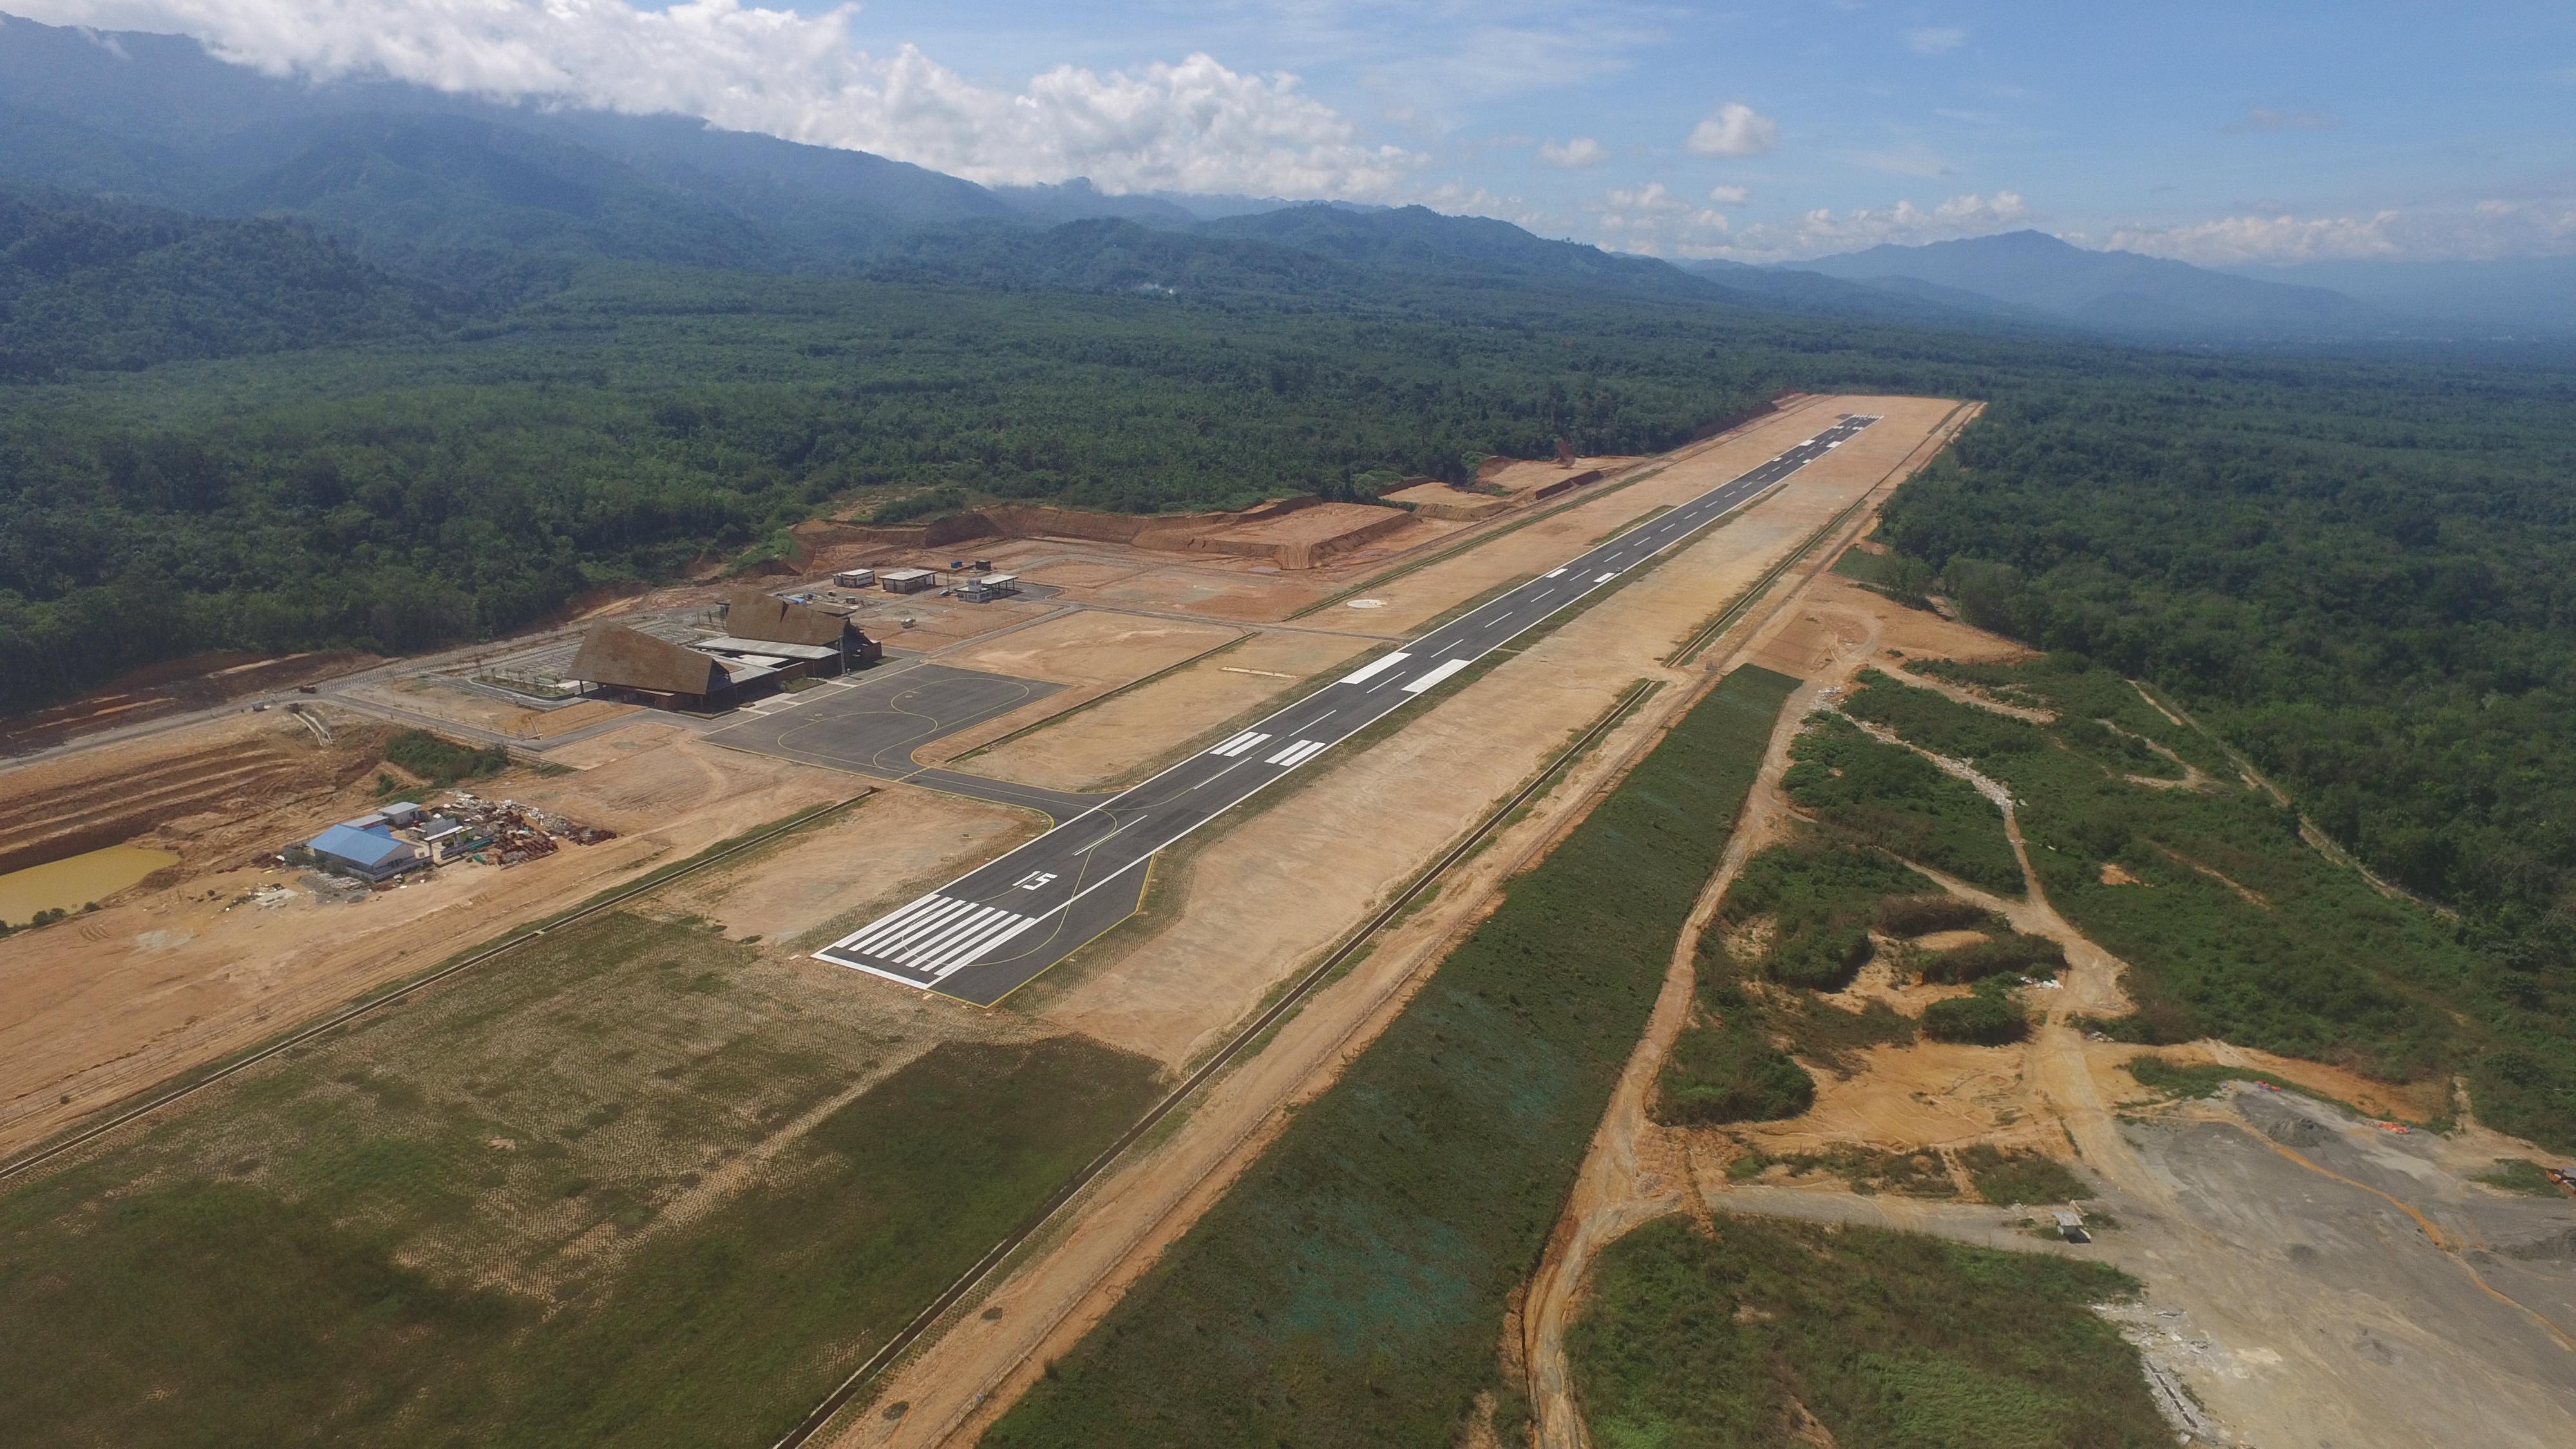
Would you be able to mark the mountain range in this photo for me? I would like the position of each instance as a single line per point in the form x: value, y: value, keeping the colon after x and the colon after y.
x: 472, y: 204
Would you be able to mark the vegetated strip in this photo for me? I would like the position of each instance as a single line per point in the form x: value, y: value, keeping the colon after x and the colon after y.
x: 1350, y: 1289
x: 1258, y: 1028
x: 366, y: 1004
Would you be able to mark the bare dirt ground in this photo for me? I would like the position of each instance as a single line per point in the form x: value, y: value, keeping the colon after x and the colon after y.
x: 1085, y: 750
x: 1228, y: 920
x: 168, y: 976
x: 1093, y: 651
x: 2311, y: 1278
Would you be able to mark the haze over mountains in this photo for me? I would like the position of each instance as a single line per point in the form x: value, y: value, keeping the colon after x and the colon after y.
x: 427, y: 203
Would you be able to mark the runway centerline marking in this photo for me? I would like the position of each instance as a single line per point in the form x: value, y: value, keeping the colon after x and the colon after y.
x: 971, y: 939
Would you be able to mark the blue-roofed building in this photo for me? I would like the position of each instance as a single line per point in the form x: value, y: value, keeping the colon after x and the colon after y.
x: 366, y: 850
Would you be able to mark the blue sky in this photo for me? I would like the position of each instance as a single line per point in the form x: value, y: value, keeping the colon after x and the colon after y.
x: 2216, y: 132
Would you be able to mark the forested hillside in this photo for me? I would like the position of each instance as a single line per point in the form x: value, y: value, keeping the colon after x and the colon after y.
x: 88, y: 284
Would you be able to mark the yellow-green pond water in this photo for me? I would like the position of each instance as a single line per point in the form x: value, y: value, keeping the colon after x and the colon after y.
x: 75, y: 881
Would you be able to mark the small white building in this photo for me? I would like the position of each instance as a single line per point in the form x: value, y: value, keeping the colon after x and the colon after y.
x: 906, y: 581
x: 855, y: 578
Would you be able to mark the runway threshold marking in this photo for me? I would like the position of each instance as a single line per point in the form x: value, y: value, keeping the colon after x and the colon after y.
x: 958, y: 939
x: 1372, y: 670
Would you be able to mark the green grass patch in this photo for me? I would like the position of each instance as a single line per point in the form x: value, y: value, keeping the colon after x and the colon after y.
x: 2017, y: 1175
x: 1350, y: 1289
x: 1987, y: 1016
x: 1899, y: 801
x: 2522, y: 1175
x: 331, y: 1247
x: 441, y: 761
x: 2193, y: 1080
x: 1891, y: 1340
x: 1727, y: 1070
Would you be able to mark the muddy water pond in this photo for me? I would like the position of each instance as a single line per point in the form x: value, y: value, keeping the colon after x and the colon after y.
x: 75, y: 881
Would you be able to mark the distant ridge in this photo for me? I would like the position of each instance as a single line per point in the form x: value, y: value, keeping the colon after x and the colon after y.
x: 2113, y: 291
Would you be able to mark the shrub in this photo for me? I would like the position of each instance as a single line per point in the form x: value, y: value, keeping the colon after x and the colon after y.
x: 1728, y: 1073
x: 443, y: 762
x: 1988, y: 1018
x: 1924, y: 914
x: 1822, y: 960
x: 2015, y: 954
x: 2013, y: 1174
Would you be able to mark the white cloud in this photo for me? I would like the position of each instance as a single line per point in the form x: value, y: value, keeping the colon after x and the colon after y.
x: 1650, y: 219
x: 1935, y: 39
x: 1729, y: 195
x: 1821, y: 231
x: 1194, y: 125
x: 1734, y: 129
x: 2489, y: 229
x: 1581, y: 151
x: 2231, y: 240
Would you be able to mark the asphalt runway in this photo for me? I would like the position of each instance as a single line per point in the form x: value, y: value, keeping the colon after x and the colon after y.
x: 873, y: 726
x: 983, y: 935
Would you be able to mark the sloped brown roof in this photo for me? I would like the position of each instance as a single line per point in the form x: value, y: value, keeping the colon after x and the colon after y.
x: 633, y: 659
x: 751, y: 614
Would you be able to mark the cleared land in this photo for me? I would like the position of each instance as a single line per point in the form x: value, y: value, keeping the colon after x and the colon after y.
x: 641, y: 1186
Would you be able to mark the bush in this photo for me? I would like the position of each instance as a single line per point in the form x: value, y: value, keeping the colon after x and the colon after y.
x: 2016, y: 954
x: 2017, y: 1175
x: 443, y: 762
x: 1924, y: 914
x: 1728, y: 1073
x: 1823, y: 960
x: 1988, y: 1018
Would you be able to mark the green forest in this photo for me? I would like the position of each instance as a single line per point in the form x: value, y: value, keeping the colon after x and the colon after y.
x: 2355, y: 568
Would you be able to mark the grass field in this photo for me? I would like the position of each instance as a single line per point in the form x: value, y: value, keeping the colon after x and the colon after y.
x: 1897, y: 800
x: 2234, y: 926
x: 557, y: 1202
x: 1350, y: 1289
x: 1889, y: 1340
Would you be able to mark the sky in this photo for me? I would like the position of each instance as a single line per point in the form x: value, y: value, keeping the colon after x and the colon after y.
x: 2218, y: 133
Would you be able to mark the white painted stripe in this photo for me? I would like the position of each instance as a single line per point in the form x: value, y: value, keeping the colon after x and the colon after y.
x: 994, y: 919
x: 1220, y: 749
x: 989, y: 945
x: 1605, y: 578
x: 921, y: 930
x: 1010, y: 925
x: 1552, y: 573
x: 1284, y: 754
x: 964, y: 928
x: 1241, y: 746
x: 887, y: 927
x: 1368, y: 672
x: 881, y: 922
x: 1305, y: 752
x: 1435, y: 675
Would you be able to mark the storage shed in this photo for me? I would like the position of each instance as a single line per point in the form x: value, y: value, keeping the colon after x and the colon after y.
x: 906, y: 581
x: 369, y: 852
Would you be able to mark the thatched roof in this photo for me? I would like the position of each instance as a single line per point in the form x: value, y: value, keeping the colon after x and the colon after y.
x: 751, y: 614
x: 633, y: 659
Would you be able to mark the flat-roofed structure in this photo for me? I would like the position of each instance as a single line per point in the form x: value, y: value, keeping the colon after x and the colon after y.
x: 989, y: 587
x: 825, y: 642
x: 905, y: 581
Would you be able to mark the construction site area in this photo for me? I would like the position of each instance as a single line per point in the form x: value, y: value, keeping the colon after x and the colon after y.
x: 608, y: 1061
